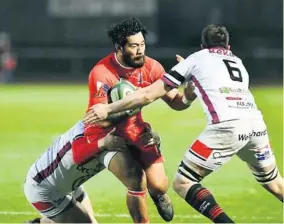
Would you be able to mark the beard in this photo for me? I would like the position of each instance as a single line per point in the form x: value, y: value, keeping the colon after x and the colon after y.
x: 136, y: 62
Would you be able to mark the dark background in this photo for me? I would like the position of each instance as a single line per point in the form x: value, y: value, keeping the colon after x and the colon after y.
x: 60, y: 40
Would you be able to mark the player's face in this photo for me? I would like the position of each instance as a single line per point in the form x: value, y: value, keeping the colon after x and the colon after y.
x: 134, y: 51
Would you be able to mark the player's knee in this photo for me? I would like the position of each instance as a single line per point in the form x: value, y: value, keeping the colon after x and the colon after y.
x: 136, y: 179
x: 158, y: 186
x: 270, y: 178
x: 277, y: 187
x: 181, y: 185
x: 266, y: 175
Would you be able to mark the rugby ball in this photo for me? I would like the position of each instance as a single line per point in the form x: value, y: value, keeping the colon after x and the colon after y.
x: 120, y: 90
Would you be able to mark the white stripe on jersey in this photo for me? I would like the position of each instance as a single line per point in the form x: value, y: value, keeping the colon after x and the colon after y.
x: 174, y: 81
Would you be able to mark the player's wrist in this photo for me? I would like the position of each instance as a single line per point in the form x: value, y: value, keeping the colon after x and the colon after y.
x: 101, y: 144
x: 186, y: 101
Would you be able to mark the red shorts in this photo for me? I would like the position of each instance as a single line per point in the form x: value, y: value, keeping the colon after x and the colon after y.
x: 145, y: 156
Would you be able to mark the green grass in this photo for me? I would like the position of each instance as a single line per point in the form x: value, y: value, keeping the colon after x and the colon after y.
x: 32, y: 115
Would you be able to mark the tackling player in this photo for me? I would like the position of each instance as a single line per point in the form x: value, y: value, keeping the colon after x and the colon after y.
x: 53, y: 184
x: 145, y: 163
x: 235, y: 125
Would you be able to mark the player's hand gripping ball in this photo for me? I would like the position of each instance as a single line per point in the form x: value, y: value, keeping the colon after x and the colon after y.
x: 120, y: 90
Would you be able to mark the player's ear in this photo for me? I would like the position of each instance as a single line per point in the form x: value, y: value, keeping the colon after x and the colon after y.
x: 118, y: 47
x: 228, y: 47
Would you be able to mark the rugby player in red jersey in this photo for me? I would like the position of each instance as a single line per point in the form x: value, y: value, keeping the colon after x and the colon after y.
x: 142, y: 167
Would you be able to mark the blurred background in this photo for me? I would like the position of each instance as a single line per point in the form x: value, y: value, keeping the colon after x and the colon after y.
x: 47, y: 48
x: 60, y: 40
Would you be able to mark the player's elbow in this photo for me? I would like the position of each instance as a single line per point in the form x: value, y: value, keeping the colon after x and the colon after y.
x: 146, y: 98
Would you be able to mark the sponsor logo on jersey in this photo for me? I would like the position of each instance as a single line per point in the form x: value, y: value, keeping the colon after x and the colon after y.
x: 221, y: 51
x: 218, y: 155
x: 244, y: 137
x: 102, y: 90
x: 233, y: 90
x: 140, y: 78
x: 263, y: 153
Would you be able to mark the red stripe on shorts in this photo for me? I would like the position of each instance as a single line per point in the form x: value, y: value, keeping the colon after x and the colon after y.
x: 41, y: 206
x: 200, y: 149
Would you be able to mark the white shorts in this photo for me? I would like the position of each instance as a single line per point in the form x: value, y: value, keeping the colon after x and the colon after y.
x: 50, y: 206
x: 51, y: 201
x: 218, y: 143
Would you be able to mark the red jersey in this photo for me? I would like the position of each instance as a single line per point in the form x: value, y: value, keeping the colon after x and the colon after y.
x: 104, y: 75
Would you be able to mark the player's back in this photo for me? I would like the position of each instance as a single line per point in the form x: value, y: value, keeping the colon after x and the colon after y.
x: 56, y: 168
x: 222, y: 84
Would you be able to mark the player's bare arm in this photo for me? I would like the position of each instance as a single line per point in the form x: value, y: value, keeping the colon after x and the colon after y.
x: 113, y: 119
x: 175, y: 99
x: 139, y: 98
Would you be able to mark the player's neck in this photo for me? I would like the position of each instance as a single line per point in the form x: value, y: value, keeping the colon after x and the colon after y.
x: 120, y: 62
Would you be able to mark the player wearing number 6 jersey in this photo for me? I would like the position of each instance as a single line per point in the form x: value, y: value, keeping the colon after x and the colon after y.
x: 235, y: 125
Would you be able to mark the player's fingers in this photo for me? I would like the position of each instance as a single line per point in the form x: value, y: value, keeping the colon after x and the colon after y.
x: 179, y: 58
x: 150, y: 142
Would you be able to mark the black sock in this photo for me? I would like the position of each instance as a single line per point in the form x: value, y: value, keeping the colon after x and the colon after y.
x: 36, y: 220
x: 203, y: 201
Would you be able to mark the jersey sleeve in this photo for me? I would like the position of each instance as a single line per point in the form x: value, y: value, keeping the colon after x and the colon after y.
x: 180, y: 72
x: 157, y: 71
x: 98, y: 86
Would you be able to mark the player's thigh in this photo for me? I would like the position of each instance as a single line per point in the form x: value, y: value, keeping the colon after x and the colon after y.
x: 258, y: 152
x: 73, y: 213
x: 84, y: 199
x: 125, y: 168
x: 81, y: 196
x: 215, y: 146
x: 146, y: 155
x: 157, y: 179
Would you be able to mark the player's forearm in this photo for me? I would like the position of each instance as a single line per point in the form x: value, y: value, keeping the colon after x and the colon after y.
x: 177, y: 103
x: 139, y: 98
x: 135, y: 100
x: 113, y: 119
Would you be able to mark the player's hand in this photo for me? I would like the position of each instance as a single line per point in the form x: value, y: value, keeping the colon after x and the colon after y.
x: 96, y: 113
x: 179, y: 58
x: 114, y: 143
x: 189, y: 91
x: 150, y: 138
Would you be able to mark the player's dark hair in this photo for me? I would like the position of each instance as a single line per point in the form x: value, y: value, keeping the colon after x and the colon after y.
x: 119, y: 32
x: 214, y: 36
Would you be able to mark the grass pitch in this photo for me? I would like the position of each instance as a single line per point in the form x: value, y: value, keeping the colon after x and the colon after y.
x: 33, y: 115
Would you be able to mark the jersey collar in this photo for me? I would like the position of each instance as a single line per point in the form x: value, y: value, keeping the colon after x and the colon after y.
x: 122, y: 71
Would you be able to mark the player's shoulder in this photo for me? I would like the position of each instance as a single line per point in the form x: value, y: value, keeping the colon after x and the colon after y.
x: 151, y: 63
x: 200, y: 53
x: 102, y: 67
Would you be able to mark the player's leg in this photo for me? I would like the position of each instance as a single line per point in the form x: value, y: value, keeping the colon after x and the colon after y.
x: 187, y: 185
x: 270, y: 178
x: 68, y: 211
x: 131, y: 174
x: 214, y: 147
x: 62, y: 209
x: 82, y: 197
x: 259, y: 156
x: 158, y: 184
